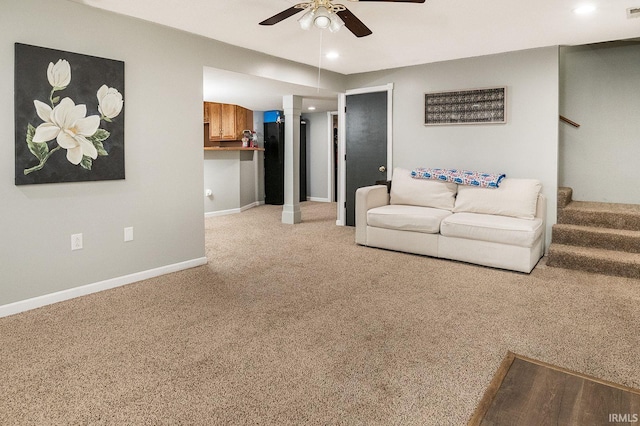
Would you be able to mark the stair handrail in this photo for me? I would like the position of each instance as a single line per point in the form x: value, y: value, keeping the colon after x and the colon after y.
x: 566, y: 120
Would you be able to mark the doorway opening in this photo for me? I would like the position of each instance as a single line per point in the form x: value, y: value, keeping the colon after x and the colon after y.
x: 333, y: 161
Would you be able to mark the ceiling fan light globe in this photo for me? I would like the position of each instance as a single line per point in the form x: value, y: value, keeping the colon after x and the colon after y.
x: 306, y: 21
x: 336, y: 23
x: 322, y: 18
x: 322, y: 22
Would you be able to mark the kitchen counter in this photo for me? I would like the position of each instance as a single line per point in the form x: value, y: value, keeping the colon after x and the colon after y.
x: 231, y: 148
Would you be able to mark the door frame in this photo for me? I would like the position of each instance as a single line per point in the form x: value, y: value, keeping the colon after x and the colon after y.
x: 342, y: 150
x: 330, y: 157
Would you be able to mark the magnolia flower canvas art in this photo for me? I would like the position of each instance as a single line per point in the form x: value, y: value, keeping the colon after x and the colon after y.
x: 69, y: 116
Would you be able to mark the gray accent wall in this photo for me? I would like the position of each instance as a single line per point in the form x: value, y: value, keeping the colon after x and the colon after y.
x: 161, y: 196
x: 222, y: 177
x: 233, y: 178
x: 317, y: 155
x: 599, y: 90
x: 248, y: 177
x: 525, y: 147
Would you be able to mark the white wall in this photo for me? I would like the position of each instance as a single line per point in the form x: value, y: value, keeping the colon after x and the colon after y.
x: 526, y: 146
x: 599, y: 90
x: 161, y: 196
x: 317, y: 156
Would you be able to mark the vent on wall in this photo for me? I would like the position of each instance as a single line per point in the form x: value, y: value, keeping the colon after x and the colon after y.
x: 633, y: 12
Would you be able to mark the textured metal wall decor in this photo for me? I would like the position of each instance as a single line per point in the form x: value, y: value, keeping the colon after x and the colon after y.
x: 475, y: 106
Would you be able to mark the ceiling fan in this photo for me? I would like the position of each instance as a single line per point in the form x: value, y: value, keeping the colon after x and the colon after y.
x: 325, y: 14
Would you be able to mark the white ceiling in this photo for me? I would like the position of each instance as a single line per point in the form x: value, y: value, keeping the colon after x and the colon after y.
x: 261, y: 94
x: 403, y: 33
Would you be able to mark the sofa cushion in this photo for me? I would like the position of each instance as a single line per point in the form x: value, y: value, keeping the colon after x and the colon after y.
x: 492, y: 228
x: 407, y: 218
x: 514, y: 197
x: 421, y: 192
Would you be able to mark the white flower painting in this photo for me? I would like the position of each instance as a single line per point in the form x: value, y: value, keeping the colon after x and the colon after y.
x: 59, y: 74
x: 109, y: 102
x: 70, y: 120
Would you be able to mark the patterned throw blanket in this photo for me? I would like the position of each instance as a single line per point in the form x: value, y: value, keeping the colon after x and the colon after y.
x: 461, y: 177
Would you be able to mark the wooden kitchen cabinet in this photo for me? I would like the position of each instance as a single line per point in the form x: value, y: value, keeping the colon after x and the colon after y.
x: 226, y: 121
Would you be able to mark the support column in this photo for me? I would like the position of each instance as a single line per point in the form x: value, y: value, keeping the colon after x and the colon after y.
x: 292, y: 106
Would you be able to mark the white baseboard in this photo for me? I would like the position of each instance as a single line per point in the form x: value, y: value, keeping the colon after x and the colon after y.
x: 48, y: 299
x: 250, y: 206
x: 233, y: 211
x: 318, y: 199
x: 222, y: 212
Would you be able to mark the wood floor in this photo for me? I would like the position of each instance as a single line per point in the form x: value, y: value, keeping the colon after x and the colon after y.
x: 529, y: 392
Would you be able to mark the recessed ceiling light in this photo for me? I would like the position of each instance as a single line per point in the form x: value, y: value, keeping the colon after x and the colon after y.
x: 585, y: 9
x: 311, y: 108
x: 332, y: 55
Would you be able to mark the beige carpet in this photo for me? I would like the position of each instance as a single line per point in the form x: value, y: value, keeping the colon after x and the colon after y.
x: 298, y: 325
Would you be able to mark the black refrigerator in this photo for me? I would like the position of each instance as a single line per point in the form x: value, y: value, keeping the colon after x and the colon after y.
x: 274, y: 162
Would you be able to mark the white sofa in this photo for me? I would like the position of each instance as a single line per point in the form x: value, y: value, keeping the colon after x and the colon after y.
x: 499, y: 227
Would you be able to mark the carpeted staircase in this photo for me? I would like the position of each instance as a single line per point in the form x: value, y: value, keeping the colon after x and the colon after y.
x: 596, y: 237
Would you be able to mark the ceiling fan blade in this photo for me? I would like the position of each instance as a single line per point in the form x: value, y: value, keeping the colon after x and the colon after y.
x: 281, y: 16
x: 353, y: 24
x: 399, y: 1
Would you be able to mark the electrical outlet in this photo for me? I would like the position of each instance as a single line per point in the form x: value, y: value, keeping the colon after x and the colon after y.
x: 128, y: 234
x: 76, y: 241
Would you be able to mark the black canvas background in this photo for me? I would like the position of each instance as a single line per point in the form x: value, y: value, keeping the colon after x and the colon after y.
x: 88, y: 73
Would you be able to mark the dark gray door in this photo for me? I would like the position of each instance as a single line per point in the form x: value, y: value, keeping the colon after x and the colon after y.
x: 366, y: 145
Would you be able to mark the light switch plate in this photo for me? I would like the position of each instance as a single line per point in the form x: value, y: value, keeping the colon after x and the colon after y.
x: 128, y: 234
x: 76, y: 241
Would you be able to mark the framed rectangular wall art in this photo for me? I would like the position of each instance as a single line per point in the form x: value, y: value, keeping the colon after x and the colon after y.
x: 69, y: 117
x: 473, y: 106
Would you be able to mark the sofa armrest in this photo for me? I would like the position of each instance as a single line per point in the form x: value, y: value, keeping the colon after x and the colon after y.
x: 541, y: 213
x: 367, y: 198
x: 541, y: 207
